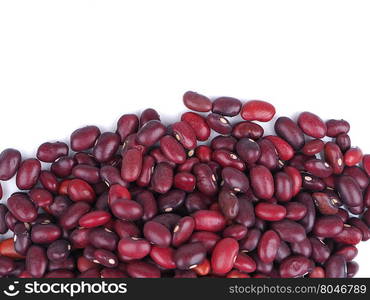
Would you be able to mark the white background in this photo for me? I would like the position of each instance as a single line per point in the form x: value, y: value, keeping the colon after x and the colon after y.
x: 65, y: 64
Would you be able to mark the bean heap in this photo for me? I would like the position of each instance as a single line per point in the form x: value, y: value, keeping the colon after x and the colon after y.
x: 148, y: 201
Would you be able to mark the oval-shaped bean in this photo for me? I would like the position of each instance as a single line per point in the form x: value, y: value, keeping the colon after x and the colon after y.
x: 247, y: 129
x: 126, y: 125
x: 226, y: 106
x: 349, y: 190
x: 45, y: 233
x: 335, y: 267
x: 49, y: 152
x: 70, y: 217
x: 312, y: 125
x: 157, y: 234
x: 84, y: 138
x: 172, y: 149
x: 209, y: 220
x: 318, y: 168
x: 28, y: 174
x: 10, y: 160
x: 127, y: 209
x: 262, y: 182
x: 283, y: 186
x: 36, y: 261
x: 270, y: 211
x: 199, y: 125
x: 151, y: 133
x: 268, y: 246
x: 219, y: 123
x: 190, y: 255
x: 185, y: 134
x: 22, y: 208
x: 197, y: 102
x: 336, y: 127
x: 224, y: 255
x: 289, y: 131
x: 257, y: 110
x: 289, y: 231
x: 162, y: 178
x: 294, y: 266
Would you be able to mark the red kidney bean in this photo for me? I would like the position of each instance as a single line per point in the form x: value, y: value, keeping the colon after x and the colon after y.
x: 83, y: 158
x: 352, y: 269
x: 79, y: 190
x: 352, y: 157
x: 289, y: 231
x: 84, y: 138
x: 105, y: 258
x: 58, y: 251
x: 284, y: 150
x: 95, y: 219
x: 359, y: 175
x: 103, y: 238
x: 335, y: 267
x: 22, y: 208
x: 295, y: 211
x: 313, y: 147
x: 203, y: 153
x: 164, y: 257
x: 228, y: 159
x: 366, y: 163
x: 151, y: 133
x: 328, y: 226
x: 269, y: 157
x: 320, y: 251
x: 59, y: 206
x: 226, y: 106
x: 189, y: 256
x: 127, y: 209
x: 45, y: 234
x: 229, y: 203
x: 349, y: 190
x: 219, y: 123
x: 162, y: 178
x: 63, y: 166
x: 147, y: 168
x: 257, y: 110
x: 199, y: 125
x: 117, y: 191
x: 195, y: 201
x: 157, y: 234
x: 10, y: 220
x: 133, y: 248
x: 22, y: 239
x: 147, y: 115
x: 268, y: 246
x: 126, y: 125
x: 326, y: 204
x: 183, y: 231
x: 262, y: 267
x: 172, y: 149
x: 349, y: 235
x: 185, y: 134
x: 336, y: 127
x: 188, y: 165
x: 235, y: 179
x: 246, y: 214
x: 223, y: 142
x: 197, y: 102
x: 245, y: 263
x: 262, y: 182
x: 270, y: 212
x: 312, y: 125
x: 282, y: 252
x: 205, y: 178
x: 185, y: 181
x: 36, y: 261
x: 139, y: 269
x: 349, y: 252
x: 7, y: 265
x: 131, y: 165
x: 296, y: 178
x: 171, y: 201
x: 313, y: 183
x: 224, y: 255
x: 362, y: 226
x: 86, y: 172
x: 49, y: 152
x: 250, y: 242
x: 289, y: 131
x: 10, y: 159
x: 294, y: 266
x: 49, y: 181
x: 28, y: 174
x: 208, y: 220
x: 41, y: 197
x: 235, y: 231
x: 149, y: 204
x: 70, y: 217
x: 334, y: 157
x: 283, y: 186
x: 318, y: 168
x: 343, y: 141
x: 3, y: 225
x: 247, y: 129
x: 302, y: 248
x: 68, y: 264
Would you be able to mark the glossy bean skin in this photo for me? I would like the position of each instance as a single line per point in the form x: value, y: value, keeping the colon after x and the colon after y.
x: 45, y: 234
x: 6, y: 266
x: 132, y: 161
x: 171, y: 201
x: 235, y: 179
x: 318, y: 168
x: 183, y: 231
x: 88, y: 173
x: 63, y: 166
x: 140, y: 269
x: 313, y: 147
x: 125, y: 209
x: 172, y: 149
x: 70, y: 217
x: 350, y: 235
x: 106, y: 146
x: 294, y: 266
x: 151, y: 133
x: 164, y: 257
x: 262, y: 182
x: 3, y: 225
x: 49, y: 152
x: 185, y: 134
x: 134, y: 248
x: 335, y: 267
x: 247, y: 129
x: 246, y: 215
x: 270, y: 212
x: 185, y: 181
x: 10, y: 160
x: 284, y: 150
x: 257, y: 110
x: 224, y: 255
x: 289, y: 231
x: 126, y: 125
x: 58, y: 251
x: 353, y: 156
x: 359, y: 175
x: 226, y: 106
x: 302, y: 248
x: 312, y: 125
x: 205, y: 178
x: 268, y: 246
x: 295, y: 211
x: 343, y: 140
x: 208, y: 220
x: 328, y: 226
x: 336, y: 127
x: 36, y: 261
x: 162, y: 178
x: 84, y: 138
x: 283, y: 186
x: 269, y: 156
x: 326, y: 204
x: 157, y: 234
x: 95, y: 219
x: 189, y: 255
x: 197, y: 102
x: 219, y: 123
x: 22, y: 208
x: 229, y: 203
x: 349, y: 190
x: 199, y: 125
x: 224, y: 142
x: 289, y: 131
x: 80, y: 190
x: 147, y: 115
x: 28, y: 174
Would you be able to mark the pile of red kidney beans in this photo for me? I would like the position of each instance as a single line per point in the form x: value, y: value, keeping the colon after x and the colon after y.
x: 148, y: 201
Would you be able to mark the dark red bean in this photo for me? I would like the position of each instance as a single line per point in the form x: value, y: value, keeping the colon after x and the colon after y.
x: 219, y: 123
x: 105, y: 258
x: 312, y: 125
x: 195, y: 201
x: 228, y: 159
x: 313, y: 147
x: 226, y: 106
x: 223, y: 142
x: 58, y: 251
x: 295, y: 211
x: 164, y: 257
x: 235, y: 231
x: 336, y: 127
x: 49, y: 181
x: 84, y: 138
x: 349, y: 252
x: 206, y: 179
x: 349, y: 190
x: 49, y: 152
x: 224, y: 255
x: 127, y: 209
x: 365, y: 230
x: 269, y: 157
x: 296, y: 178
x: 289, y: 231
x: 162, y: 178
x: 229, y: 203
x: 103, y: 238
x: 247, y: 129
x: 28, y: 174
x: 313, y: 183
x: 284, y: 150
x: 88, y: 173
x: 139, y: 269
x: 185, y: 181
x: 262, y: 182
x: 79, y: 190
x: 10, y: 159
x: 147, y: 115
x: 3, y: 225
x: 352, y: 268
x: 188, y: 165
x: 157, y: 234
x: 59, y: 206
x: 326, y: 204
x: 294, y: 266
x: 172, y: 149
x: 6, y: 266
x: 45, y: 234
x: 289, y: 131
x: 171, y: 201
x: 318, y: 168
x: 106, y: 146
x: 283, y: 252
x: 189, y: 256
x: 352, y: 157
x: 343, y: 141
x: 63, y: 166
x: 246, y: 214
x: 149, y: 204
x: 235, y: 179
x: 197, y: 102
x: 350, y: 235
x: 209, y: 220
x: 132, y: 161
x: 185, y: 134
x: 22, y: 208
x: 41, y: 197
x: 133, y: 248
x: 270, y: 212
x: 183, y: 231
x: 203, y: 153
x: 268, y: 246
x: 126, y: 125
x: 199, y: 125
x: 245, y: 263
x: 95, y: 219
x: 36, y: 261
x: 70, y: 217
x: 283, y: 186
x: 126, y: 229
x: 335, y: 267
x: 151, y: 133
x: 328, y: 226
x: 359, y: 175
x: 257, y: 110
x: 320, y: 251
x: 302, y: 248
